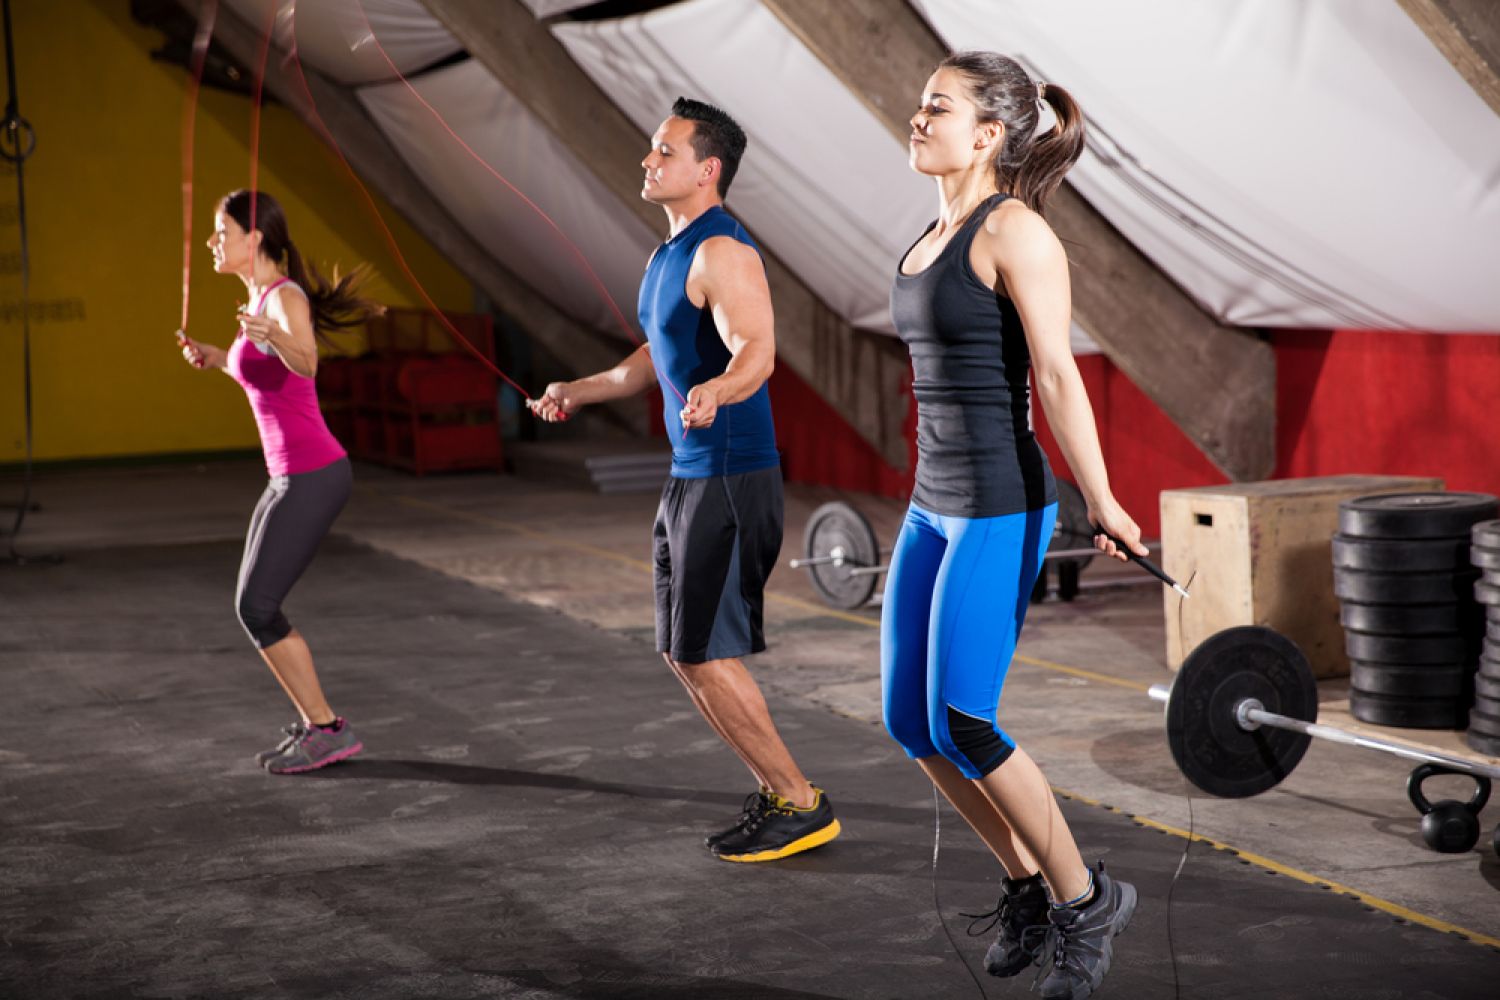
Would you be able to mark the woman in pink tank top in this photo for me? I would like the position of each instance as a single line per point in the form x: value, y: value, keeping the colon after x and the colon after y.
x: 274, y: 358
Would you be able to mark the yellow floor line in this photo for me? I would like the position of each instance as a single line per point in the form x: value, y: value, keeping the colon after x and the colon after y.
x: 1080, y: 672
x: 1383, y: 905
x: 818, y: 609
x: 540, y: 536
x: 1375, y: 902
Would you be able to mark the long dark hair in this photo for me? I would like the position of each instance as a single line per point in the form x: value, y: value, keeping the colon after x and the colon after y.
x: 336, y: 305
x: 1028, y: 166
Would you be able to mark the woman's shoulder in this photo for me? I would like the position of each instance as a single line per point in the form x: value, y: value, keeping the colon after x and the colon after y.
x: 288, y: 294
x: 1012, y: 228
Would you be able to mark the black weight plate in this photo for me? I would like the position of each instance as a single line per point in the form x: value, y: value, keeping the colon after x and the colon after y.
x: 1072, y: 529
x: 1492, y: 631
x: 1487, y: 594
x: 1407, y: 681
x: 1407, y: 713
x: 1484, y: 558
x: 1491, y: 577
x: 1415, y: 515
x: 1487, y: 688
x: 1484, y: 744
x: 1392, y: 556
x: 1364, y: 587
x: 1489, y: 665
x: 1416, y: 619
x: 838, y: 525
x: 1207, y: 741
x: 1483, y: 721
x: 1440, y: 649
x: 1486, y: 534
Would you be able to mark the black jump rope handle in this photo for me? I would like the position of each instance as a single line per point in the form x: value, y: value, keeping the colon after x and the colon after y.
x: 1142, y: 562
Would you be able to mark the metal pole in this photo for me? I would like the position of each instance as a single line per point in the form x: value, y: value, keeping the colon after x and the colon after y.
x: 1250, y: 713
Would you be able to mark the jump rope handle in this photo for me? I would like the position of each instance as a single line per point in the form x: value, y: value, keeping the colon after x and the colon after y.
x: 182, y: 341
x: 1142, y: 562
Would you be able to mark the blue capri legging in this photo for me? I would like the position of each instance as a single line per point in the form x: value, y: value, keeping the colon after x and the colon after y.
x: 955, y: 597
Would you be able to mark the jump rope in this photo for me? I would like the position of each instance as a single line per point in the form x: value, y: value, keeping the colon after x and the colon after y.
x: 201, y: 40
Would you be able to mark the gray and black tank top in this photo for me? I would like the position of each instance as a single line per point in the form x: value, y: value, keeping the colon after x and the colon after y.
x: 976, y: 453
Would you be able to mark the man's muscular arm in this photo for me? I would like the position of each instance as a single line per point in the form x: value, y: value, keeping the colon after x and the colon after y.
x: 728, y: 278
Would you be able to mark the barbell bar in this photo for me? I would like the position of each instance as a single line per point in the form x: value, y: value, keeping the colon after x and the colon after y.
x: 1240, y: 683
x: 838, y: 557
x: 1250, y: 714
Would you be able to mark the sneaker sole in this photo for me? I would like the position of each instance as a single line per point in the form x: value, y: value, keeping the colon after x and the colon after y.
x: 817, y: 838
x: 330, y: 759
x: 1015, y: 968
x: 1127, y: 907
x: 265, y: 757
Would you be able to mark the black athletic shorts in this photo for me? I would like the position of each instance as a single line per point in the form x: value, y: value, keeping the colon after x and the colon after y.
x: 716, y: 541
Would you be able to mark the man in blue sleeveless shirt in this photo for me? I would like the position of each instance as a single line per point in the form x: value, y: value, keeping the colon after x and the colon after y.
x: 706, y: 310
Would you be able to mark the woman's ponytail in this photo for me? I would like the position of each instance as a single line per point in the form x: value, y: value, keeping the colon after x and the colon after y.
x: 1052, y: 154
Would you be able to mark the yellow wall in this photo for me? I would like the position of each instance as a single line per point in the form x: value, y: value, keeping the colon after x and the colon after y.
x: 103, y: 194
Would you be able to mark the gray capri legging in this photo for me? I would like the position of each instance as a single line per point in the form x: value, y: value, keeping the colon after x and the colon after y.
x: 293, y: 515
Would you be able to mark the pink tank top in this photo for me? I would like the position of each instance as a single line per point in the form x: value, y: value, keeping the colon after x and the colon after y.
x: 292, y: 432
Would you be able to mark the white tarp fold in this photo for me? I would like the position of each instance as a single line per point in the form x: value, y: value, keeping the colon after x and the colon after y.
x: 498, y: 127
x: 547, y: 8
x: 823, y: 183
x: 332, y: 35
x: 1307, y: 163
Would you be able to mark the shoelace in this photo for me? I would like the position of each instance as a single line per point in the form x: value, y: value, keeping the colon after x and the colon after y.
x: 1052, y: 952
x: 1059, y: 951
x: 293, y: 734
x: 758, y: 820
x: 1004, y: 912
x: 774, y: 805
x: 1007, y: 912
x: 755, y: 804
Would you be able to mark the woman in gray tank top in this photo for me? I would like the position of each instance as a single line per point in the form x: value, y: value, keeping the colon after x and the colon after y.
x: 982, y: 301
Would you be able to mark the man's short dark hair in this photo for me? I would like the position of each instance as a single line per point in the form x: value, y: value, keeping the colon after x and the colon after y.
x: 714, y: 134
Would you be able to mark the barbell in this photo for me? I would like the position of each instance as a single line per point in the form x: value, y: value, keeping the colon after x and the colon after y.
x: 1242, y: 712
x: 846, y: 561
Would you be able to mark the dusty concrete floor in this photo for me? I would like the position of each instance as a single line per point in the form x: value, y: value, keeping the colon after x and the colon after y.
x: 1075, y: 699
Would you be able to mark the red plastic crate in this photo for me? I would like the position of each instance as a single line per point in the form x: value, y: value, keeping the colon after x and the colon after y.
x: 419, y: 401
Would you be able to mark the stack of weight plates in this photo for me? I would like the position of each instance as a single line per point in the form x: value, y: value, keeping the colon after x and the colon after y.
x: 1411, y: 625
x: 1484, y: 721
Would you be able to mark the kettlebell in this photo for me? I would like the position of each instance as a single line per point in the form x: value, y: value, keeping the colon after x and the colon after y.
x: 1449, y: 827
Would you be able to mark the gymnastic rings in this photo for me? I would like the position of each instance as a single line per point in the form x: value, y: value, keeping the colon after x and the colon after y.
x: 17, y: 138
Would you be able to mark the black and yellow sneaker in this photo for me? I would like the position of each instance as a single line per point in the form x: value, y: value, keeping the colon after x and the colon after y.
x: 781, y: 830
x: 756, y: 803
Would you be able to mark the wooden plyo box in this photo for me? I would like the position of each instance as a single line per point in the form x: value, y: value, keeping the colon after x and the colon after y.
x: 1262, y: 556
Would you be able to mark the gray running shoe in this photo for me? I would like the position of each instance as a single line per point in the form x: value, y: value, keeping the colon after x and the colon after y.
x: 1021, y: 919
x: 316, y: 747
x: 1080, y: 942
x: 293, y: 733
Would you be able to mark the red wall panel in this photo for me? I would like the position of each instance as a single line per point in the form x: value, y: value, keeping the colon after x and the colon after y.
x: 1347, y: 401
x: 1394, y: 403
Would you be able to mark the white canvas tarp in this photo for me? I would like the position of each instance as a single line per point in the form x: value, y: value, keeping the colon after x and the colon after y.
x: 332, y: 35
x: 598, y: 228
x: 1305, y: 163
